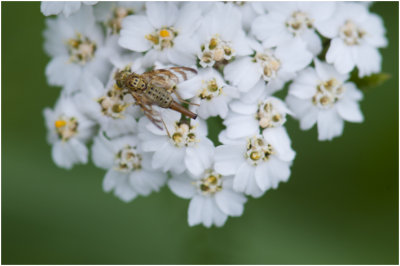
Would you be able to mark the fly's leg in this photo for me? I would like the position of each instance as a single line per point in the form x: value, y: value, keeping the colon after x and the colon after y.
x: 165, y: 126
x: 182, y: 100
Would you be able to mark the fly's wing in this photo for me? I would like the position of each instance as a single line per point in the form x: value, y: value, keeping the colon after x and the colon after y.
x: 148, y: 110
x: 169, y: 78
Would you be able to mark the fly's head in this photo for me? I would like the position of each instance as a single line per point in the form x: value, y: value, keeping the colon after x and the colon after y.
x: 121, y: 77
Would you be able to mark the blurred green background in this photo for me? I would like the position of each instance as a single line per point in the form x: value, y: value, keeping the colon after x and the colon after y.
x: 340, y: 205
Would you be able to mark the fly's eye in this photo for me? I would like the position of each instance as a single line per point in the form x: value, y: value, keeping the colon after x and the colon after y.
x: 142, y: 86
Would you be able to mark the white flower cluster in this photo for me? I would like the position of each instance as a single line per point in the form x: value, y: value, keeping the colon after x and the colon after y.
x: 243, y: 54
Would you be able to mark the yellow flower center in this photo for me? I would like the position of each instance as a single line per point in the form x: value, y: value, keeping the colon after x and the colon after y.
x: 60, y: 123
x: 350, y: 33
x: 258, y: 150
x: 298, y: 22
x: 164, y: 33
x: 210, y: 90
x: 81, y: 49
x: 269, y: 63
x: 112, y: 104
x: 66, y: 127
x: 210, y: 183
x: 269, y: 116
x: 328, y: 93
x: 128, y: 159
x: 184, y: 135
x: 216, y: 50
x: 162, y: 38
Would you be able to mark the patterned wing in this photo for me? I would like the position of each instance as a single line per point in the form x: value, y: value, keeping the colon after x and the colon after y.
x: 148, y: 110
x: 169, y: 78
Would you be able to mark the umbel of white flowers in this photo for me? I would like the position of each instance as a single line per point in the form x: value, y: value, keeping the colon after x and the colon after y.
x: 243, y: 55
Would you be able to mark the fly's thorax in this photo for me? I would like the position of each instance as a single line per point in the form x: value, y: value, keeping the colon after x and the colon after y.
x: 135, y: 83
x: 158, y: 96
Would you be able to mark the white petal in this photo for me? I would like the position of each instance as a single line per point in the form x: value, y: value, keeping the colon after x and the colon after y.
x: 244, y: 173
x: 280, y: 142
x: 228, y: 158
x: 313, y: 41
x: 340, y: 55
x: 134, y: 30
x: 349, y: 110
x: 230, y: 202
x: 352, y: 92
x: 219, y: 218
x: 110, y: 180
x: 124, y: 191
x: 330, y: 125
x: 244, y: 80
x: 161, y: 14
x: 245, y: 181
x: 277, y: 171
x: 240, y: 126
x: 243, y: 108
x: 182, y: 186
x: 294, y: 55
x: 51, y: 8
x: 102, y: 152
x: 304, y: 86
x: 367, y: 59
x: 262, y: 176
x: 71, y: 7
x: 200, y: 157
x: 326, y: 72
x: 145, y: 181
x: 195, y: 212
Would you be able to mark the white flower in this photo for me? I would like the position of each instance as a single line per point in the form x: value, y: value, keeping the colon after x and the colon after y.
x: 129, y: 172
x: 274, y: 65
x: 76, y: 47
x: 186, y: 146
x: 66, y: 7
x: 68, y: 130
x: 257, y: 163
x: 355, y: 39
x: 212, y: 197
x: 165, y: 33
x: 113, y: 110
x: 287, y: 21
x: 323, y: 96
x: 249, y: 11
x: 247, y: 119
x: 210, y: 91
x: 111, y: 14
x: 221, y: 36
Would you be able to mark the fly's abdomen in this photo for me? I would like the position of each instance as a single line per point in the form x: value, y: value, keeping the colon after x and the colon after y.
x: 158, y: 96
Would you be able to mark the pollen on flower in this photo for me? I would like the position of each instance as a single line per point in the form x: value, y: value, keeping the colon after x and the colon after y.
x: 128, y: 159
x: 112, y: 104
x: 210, y: 183
x: 184, y: 135
x: 268, y: 115
x: 118, y: 15
x: 328, y: 93
x: 299, y: 22
x: 59, y: 123
x: 350, y: 33
x: 164, y: 33
x: 215, y: 50
x: 269, y: 63
x: 81, y: 49
x: 162, y: 38
x: 258, y: 150
x: 66, y: 127
x: 210, y: 89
